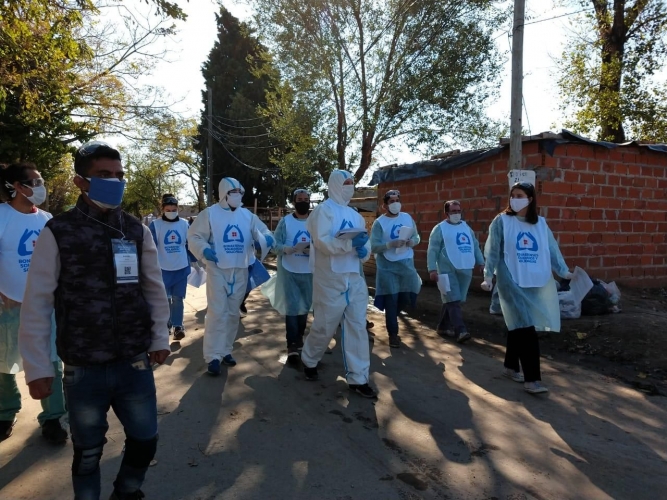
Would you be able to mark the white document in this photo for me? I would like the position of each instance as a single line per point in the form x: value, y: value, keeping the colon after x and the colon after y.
x: 516, y: 176
x: 404, y: 234
x: 580, y: 284
x: 301, y: 246
x: 261, y: 239
x: 348, y: 234
x: 443, y: 283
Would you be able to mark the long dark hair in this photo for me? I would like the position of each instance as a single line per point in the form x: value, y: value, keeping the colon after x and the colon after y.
x: 529, y: 189
x: 16, y: 172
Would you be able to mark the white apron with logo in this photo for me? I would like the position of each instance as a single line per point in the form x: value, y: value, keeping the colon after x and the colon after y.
x: 232, y: 236
x: 171, y: 239
x: 345, y: 218
x: 458, y: 244
x: 18, y: 234
x: 527, y: 251
x: 296, y: 232
x: 390, y: 228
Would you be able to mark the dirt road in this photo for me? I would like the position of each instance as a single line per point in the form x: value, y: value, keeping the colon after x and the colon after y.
x: 446, y: 426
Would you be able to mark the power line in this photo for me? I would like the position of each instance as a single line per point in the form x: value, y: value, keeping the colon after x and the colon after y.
x: 265, y: 170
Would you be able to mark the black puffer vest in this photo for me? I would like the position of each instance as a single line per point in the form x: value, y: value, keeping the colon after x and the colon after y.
x: 97, y: 320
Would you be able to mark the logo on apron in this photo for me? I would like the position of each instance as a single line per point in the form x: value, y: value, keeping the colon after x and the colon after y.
x: 393, y: 235
x: 526, y: 244
x: 463, y: 242
x: 232, y: 234
x: 172, y: 238
x: 301, y: 237
x: 27, y: 242
x: 346, y: 224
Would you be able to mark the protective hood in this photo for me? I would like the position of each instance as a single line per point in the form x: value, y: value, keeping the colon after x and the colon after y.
x: 336, y: 191
x: 226, y: 185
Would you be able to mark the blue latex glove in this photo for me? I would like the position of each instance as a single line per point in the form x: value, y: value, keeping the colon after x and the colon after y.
x: 209, y: 254
x: 360, y: 240
x: 269, y: 240
x: 362, y: 252
x: 257, y: 245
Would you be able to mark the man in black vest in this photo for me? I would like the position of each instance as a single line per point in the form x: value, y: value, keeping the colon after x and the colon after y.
x: 97, y: 267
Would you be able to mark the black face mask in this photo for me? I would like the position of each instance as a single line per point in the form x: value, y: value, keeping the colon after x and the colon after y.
x: 302, y: 207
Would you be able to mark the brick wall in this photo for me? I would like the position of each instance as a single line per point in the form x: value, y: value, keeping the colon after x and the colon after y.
x: 607, y: 208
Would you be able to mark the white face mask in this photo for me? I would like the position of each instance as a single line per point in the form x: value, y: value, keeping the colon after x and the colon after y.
x: 171, y: 215
x: 347, y: 192
x: 454, y: 218
x: 38, y: 195
x: 234, y: 199
x: 518, y: 204
x: 395, y: 207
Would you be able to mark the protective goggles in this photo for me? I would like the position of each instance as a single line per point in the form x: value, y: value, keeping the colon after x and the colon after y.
x: 301, y: 191
x: 392, y: 192
x: 33, y: 182
x: 526, y: 185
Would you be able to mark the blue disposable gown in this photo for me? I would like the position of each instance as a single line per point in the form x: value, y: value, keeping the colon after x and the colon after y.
x: 290, y: 293
x: 523, y: 307
x: 437, y: 260
x: 392, y: 278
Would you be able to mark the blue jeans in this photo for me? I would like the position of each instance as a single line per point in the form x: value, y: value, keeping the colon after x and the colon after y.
x: 176, y: 310
x: 295, y: 326
x: 128, y: 387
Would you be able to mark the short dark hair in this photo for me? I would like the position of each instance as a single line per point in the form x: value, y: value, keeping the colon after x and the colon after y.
x: 390, y: 193
x: 91, y: 151
x: 450, y: 203
x: 529, y: 189
x: 15, y: 172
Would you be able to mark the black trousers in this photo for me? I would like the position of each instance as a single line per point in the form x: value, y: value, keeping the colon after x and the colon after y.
x: 523, y: 346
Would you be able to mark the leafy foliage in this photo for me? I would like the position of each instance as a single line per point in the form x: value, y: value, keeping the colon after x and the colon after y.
x: 609, y: 83
x: 371, y: 72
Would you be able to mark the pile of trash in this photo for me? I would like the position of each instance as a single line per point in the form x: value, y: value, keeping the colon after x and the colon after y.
x: 601, y: 298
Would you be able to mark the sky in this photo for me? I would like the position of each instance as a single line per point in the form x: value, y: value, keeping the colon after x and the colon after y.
x: 544, y: 37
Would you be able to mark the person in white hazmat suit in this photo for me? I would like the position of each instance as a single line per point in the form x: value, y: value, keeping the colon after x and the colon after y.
x: 340, y: 294
x: 522, y: 252
x: 223, y: 237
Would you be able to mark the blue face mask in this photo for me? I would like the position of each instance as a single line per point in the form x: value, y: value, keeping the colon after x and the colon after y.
x: 106, y: 193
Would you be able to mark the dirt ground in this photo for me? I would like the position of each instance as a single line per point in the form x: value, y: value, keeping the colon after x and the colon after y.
x: 630, y: 346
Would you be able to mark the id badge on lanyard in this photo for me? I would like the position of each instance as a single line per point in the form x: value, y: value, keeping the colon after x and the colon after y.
x: 126, y: 261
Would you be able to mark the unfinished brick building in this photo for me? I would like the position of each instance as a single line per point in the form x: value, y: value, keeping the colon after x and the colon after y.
x: 605, y: 203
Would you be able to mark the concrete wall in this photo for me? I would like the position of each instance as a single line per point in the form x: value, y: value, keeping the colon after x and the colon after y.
x: 607, y: 208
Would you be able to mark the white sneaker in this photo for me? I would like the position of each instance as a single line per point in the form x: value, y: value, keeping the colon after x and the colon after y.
x: 516, y: 376
x: 535, y: 387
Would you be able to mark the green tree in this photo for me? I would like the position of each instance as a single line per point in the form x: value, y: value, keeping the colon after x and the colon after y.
x: 609, y: 83
x: 67, y: 75
x: 163, y: 161
x: 243, y: 141
x: 414, y: 71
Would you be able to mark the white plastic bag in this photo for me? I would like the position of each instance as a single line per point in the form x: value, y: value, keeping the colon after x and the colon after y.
x: 570, y: 308
x: 197, y: 276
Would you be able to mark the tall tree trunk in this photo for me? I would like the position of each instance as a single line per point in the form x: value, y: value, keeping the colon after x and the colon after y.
x: 613, y: 39
x: 367, y: 148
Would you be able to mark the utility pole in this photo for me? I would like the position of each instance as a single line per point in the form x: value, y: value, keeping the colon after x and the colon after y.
x: 516, y: 162
x: 209, y: 149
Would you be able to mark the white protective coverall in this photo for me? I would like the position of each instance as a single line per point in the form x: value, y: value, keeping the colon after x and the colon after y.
x: 340, y: 294
x: 230, y: 233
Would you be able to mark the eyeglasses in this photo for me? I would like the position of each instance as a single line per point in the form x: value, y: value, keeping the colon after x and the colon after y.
x: 393, y: 192
x: 33, y: 182
x: 90, y: 147
x: 301, y: 191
